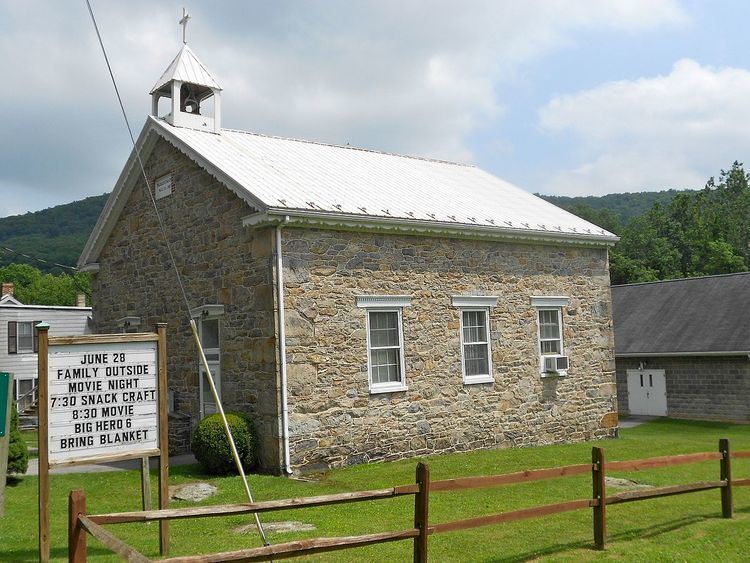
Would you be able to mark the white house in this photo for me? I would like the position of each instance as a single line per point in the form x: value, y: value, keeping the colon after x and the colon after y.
x: 19, y: 355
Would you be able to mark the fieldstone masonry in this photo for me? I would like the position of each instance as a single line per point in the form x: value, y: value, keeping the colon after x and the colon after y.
x: 698, y: 387
x: 334, y: 420
x: 220, y: 262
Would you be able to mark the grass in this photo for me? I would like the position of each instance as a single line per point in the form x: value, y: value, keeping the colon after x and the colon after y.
x: 680, y: 528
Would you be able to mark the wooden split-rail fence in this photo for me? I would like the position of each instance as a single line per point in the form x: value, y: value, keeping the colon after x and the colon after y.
x: 81, y: 524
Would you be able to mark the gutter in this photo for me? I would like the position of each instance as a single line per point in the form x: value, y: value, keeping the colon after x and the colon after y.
x: 349, y: 221
x: 282, y: 352
x: 674, y: 354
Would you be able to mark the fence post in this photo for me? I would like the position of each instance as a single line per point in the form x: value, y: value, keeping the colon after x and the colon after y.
x: 421, y: 505
x: 600, y: 494
x: 727, y: 511
x: 76, y: 534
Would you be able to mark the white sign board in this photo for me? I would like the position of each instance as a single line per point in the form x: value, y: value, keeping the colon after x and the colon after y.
x: 103, y: 400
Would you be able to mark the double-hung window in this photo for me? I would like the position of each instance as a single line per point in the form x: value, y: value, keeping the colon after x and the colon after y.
x: 22, y: 337
x: 385, y: 341
x: 550, y: 332
x: 25, y: 337
x: 476, y: 349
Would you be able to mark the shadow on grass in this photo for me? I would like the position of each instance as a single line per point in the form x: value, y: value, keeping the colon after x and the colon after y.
x: 13, y: 480
x: 630, y: 535
x: 708, y: 424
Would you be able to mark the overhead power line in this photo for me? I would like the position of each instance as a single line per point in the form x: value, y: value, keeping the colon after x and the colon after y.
x: 36, y: 259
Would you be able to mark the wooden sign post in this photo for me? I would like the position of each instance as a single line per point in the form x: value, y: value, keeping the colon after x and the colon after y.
x: 6, y: 402
x: 102, y: 398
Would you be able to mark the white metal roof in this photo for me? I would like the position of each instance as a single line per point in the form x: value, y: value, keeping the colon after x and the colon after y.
x: 342, y: 186
x: 302, y: 175
x: 186, y: 67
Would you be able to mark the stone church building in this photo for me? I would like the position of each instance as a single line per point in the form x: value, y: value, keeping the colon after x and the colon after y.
x: 360, y: 305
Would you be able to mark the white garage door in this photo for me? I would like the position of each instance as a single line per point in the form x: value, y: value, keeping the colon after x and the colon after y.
x: 647, y: 392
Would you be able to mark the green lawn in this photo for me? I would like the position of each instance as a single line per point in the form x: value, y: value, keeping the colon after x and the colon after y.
x: 679, y: 528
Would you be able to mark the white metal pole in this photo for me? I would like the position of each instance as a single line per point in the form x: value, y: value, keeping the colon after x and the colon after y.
x: 235, y: 455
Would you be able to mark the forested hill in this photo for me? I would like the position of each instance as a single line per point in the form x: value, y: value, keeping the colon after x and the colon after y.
x: 624, y: 206
x: 663, y: 235
x: 56, y: 234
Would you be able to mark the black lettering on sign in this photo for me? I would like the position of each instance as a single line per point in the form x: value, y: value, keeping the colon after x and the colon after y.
x: 94, y: 359
x: 138, y: 396
x: 139, y: 369
x: 123, y: 437
x: 80, y: 427
x: 121, y: 410
x: 64, y: 401
x: 81, y: 386
x: 76, y: 442
x: 103, y: 399
x: 76, y: 373
x: 84, y: 414
x: 120, y: 384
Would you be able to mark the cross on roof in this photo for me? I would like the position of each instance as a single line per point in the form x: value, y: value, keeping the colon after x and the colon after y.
x: 183, y: 23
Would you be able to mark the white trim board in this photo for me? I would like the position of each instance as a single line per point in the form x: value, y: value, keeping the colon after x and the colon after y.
x: 549, y: 301
x: 207, y: 311
x: 476, y: 301
x: 383, y: 301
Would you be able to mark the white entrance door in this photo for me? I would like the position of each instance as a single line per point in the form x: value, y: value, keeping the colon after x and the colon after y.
x: 647, y: 392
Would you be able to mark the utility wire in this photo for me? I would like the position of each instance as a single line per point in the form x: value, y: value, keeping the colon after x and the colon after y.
x: 43, y: 261
x: 35, y: 259
x: 179, y: 277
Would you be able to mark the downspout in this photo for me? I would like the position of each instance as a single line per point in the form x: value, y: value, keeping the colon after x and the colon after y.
x: 282, y: 351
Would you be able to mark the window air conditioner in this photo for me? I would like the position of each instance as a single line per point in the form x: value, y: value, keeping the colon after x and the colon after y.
x: 555, y: 364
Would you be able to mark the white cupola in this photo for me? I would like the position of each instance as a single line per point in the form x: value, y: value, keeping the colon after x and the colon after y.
x: 188, y: 84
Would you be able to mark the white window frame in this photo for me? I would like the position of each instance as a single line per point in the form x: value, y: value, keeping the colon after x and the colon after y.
x: 549, y: 303
x: 479, y: 378
x: 385, y: 304
x: 559, y: 338
x: 29, y: 349
x: 214, y: 365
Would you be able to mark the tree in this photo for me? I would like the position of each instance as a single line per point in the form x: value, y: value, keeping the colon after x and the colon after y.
x: 18, y: 452
x: 32, y: 287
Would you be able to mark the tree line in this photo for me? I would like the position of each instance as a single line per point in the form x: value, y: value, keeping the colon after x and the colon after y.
x: 34, y: 287
x: 696, y: 233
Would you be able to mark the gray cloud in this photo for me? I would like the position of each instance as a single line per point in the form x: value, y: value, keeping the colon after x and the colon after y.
x: 400, y: 76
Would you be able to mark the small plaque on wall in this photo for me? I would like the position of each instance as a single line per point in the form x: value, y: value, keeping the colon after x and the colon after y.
x: 163, y: 186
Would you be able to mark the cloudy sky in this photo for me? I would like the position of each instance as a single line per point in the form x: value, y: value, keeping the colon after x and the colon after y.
x: 566, y: 97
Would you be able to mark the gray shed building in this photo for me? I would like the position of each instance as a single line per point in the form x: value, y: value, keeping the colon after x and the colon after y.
x: 682, y: 347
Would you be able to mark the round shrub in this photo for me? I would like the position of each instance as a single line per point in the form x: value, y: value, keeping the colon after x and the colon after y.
x: 211, y: 447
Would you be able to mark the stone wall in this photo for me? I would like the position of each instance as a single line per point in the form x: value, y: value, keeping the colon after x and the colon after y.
x: 698, y: 387
x: 221, y: 262
x: 335, y: 421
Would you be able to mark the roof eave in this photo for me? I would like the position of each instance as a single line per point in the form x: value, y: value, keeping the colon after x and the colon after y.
x: 152, y: 130
x: 672, y: 354
x: 342, y: 221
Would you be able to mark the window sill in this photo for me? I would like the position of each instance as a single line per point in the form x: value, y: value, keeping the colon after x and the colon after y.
x: 388, y: 389
x: 478, y: 379
x: 554, y: 374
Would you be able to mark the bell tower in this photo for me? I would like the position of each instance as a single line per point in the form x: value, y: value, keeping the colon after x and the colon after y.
x: 190, y: 86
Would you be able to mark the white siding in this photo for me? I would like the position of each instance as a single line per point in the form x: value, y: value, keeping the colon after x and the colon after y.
x: 63, y: 321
